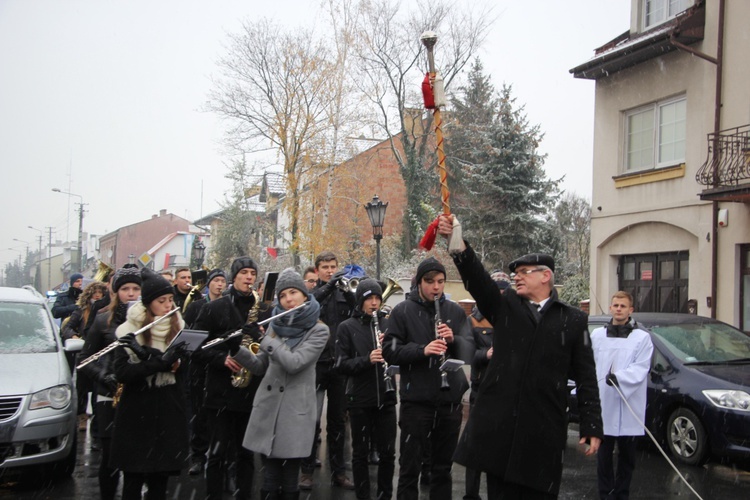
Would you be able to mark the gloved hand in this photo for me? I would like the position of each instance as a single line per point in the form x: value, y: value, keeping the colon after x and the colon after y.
x: 336, y: 277
x: 251, y: 329
x: 611, y: 379
x: 111, y: 382
x: 131, y: 343
x: 174, y: 353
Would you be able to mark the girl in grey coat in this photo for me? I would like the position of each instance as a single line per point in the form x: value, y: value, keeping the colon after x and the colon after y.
x: 282, y: 422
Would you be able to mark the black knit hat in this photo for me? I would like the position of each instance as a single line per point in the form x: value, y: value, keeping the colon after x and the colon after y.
x: 215, y: 273
x: 367, y: 288
x: 126, y: 275
x: 533, y: 259
x: 289, y: 278
x: 239, y: 264
x: 154, y: 286
x: 427, y: 265
x: 75, y: 277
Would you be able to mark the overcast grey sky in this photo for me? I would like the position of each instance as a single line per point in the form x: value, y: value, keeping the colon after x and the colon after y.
x: 102, y: 98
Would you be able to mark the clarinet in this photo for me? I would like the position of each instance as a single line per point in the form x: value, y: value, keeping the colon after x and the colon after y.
x: 376, y: 332
x: 444, y: 385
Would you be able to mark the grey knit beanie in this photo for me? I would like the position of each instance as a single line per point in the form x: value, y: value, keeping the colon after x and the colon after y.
x: 289, y: 278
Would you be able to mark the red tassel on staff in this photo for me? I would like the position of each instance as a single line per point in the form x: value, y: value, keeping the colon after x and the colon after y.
x: 427, y: 95
x: 428, y: 240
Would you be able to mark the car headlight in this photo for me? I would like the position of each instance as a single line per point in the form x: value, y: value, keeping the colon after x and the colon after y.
x: 57, y: 397
x: 731, y: 400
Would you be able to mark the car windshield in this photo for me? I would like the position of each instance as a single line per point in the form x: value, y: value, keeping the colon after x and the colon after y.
x: 704, y: 342
x: 25, y: 328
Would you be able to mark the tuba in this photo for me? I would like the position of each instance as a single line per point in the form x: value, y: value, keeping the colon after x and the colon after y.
x: 241, y: 379
x: 390, y: 289
x: 103, y: 272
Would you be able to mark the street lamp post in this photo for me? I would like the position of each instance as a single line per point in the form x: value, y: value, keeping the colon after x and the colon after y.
x: 198, y: 252
x: 376, y: 212
x: 80, y: 264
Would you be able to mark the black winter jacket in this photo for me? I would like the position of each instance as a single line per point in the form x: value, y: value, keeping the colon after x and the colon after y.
x: 481, y: 332
x: 517, y: 429
x: 336, y: 306
x: 221, y: 316
x: 99, y: 336
x: 66, y: 304
x: 411, y: 327
x: 365, y: 386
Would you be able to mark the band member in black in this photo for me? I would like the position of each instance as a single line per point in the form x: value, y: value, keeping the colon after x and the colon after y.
x: 370, y: 397
x: 431, y: 408
x: 229, y: 389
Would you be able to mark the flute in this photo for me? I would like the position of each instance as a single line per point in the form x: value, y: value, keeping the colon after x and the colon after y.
x: 232, y: 335
x: 116, y: 343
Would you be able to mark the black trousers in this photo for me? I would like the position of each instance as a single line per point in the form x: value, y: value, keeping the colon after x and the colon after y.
x: 199, y: 432
x: 227, y: 430
x: 422, y: 425
x: 329, y: 382
x: 380, y: 423
x: 109, y: 477
x: 133, y: 484
x: 615, y: 485
x: 497, y: 489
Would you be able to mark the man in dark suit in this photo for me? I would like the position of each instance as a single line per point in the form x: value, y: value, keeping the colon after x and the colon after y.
x: 517, y: 430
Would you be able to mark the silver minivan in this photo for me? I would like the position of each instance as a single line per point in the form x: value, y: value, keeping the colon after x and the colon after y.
x: 38, y: 423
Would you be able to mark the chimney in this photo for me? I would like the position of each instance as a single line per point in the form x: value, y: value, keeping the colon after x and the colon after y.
x: 162, y: 212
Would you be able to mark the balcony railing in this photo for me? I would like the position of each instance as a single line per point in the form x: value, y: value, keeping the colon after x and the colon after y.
x: 728, y: 159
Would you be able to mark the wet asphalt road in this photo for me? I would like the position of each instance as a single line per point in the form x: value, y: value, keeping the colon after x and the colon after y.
x: 653, y: 479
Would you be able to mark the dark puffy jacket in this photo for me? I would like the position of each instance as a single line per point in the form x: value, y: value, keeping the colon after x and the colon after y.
x: 336, y: 307
x: 219, y: 317
x: 66, y: 304
x: 99, y: 336
x: 411, y: 327
x: 365, y: 386
x: 481, y: 332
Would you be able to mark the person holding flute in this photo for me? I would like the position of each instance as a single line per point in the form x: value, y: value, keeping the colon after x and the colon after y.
x: 430, y: 415
x: 370, y: 394
x: 150, y: 435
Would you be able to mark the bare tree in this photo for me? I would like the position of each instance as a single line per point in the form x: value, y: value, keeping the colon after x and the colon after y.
x: 274, y: 89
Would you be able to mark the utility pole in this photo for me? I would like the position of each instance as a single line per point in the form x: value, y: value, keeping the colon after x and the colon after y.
x: 49, y: 260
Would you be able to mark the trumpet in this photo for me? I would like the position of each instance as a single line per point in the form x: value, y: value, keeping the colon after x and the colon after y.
x: 376, y: 332
x: 114, y: 345
x: 348, y: 284
x: 444, y: 385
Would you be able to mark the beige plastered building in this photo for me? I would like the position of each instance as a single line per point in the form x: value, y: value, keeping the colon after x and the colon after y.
x: 671, y: 169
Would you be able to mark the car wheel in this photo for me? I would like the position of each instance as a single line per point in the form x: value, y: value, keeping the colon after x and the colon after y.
x: 686, y: 437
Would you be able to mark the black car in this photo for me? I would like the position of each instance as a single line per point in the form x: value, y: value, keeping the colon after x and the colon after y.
x: 698, y: 400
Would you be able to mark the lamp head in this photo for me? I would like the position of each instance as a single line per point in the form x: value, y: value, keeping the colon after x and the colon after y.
x: 429, y: 39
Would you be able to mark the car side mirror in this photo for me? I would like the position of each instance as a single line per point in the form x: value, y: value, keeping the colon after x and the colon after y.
x: 73, y: 345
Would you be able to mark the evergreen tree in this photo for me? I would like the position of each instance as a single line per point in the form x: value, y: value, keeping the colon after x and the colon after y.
x: 504, y: 193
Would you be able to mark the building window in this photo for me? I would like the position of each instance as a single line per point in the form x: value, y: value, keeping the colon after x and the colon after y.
x: 655, y: 135
x: 658, y: 11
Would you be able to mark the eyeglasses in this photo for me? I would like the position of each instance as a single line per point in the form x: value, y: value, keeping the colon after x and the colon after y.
x: 311, y: 281
x: 525, y: 271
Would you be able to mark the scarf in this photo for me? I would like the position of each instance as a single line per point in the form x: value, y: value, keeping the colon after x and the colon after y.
x: 621, y: 331
x: 292, y: 327
x: 159, y: 332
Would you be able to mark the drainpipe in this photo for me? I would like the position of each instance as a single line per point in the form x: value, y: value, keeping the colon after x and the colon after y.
x: 719, y: 62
